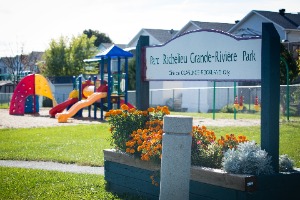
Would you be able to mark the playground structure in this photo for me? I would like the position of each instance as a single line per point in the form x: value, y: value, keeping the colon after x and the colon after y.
x: 24, y: 99
x: 111, y: 91
x: 84, y: 94
x: 98, y: 92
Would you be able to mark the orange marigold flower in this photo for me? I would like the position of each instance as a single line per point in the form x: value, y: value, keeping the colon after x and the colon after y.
x: 132, y: 151
x: 165, y: 110
x: 227, y: 137
x: 118, y: 112
x: 124, y: 107
x: 131, y: 110
x: 139, y: 131
x: 140, y: 142
x: 151, y: 109
x: 145, y: 157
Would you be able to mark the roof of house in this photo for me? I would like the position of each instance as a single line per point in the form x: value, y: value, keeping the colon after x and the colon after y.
x: 161, y: 35
x: 194, y: 25
x: 108, y: 45
x: 283, y: 19
x: 213, y: 25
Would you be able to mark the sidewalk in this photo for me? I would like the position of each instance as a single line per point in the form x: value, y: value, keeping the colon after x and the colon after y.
x: 73, y: 168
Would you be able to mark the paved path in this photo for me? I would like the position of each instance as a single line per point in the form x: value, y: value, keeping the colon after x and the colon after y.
x: 53, y: 166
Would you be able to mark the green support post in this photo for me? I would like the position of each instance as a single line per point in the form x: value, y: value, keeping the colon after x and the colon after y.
x: 234, y: 95
x: 270, y: 92
x: 142, y: 86
x: 287, y: 88
x: 214, y: 101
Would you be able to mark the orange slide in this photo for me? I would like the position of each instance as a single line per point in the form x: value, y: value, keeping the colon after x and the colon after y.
x: 63, y: 117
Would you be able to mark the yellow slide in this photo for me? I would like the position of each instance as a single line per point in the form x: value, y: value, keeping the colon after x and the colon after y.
x: 63, y: 117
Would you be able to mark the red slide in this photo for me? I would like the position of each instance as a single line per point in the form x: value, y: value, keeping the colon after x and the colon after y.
x: 128, y: 104
x: 60, y: 107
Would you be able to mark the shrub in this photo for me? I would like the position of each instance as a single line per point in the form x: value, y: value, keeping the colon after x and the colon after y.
x: 206, y: 151
x: 227, y: 109
x: 130, y: 128
x: 285, y: 163
x: 248, y: 158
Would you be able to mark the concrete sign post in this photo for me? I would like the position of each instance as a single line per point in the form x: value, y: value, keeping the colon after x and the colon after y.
x: 176, y: 158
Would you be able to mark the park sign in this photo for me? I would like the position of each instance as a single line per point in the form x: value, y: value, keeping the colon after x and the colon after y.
x: 205, y: 55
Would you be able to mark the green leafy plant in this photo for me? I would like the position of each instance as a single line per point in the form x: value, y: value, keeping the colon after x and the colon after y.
x: 207, y: 151
x: 126, y: 125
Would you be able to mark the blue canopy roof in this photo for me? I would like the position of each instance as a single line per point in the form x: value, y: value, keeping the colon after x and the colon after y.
x: 113, y: 52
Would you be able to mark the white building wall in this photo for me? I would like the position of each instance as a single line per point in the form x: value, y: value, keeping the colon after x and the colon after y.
x: 62, y: 91
x: 293, y: 36
x: 194, y: 96
x: 255, y: 23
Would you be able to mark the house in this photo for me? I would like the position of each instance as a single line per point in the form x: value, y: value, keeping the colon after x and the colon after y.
x: 198, y: 100
x: 194, y: 25
x: 156, y: 36
x: 104, y: 46
x: 31, y: 61
x: 286, y: 24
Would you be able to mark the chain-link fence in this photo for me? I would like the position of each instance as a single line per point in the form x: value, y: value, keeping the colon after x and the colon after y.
x: 5, y: 99
x: 247, y: 99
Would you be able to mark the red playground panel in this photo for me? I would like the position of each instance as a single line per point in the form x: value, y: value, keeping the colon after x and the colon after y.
x: 24, y: 89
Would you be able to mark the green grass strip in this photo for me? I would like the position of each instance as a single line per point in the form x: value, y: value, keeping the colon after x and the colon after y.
x: 18, y: 183
x: 82, y: 144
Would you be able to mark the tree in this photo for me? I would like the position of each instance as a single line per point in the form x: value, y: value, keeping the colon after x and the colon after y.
x: 63, y: 59
x: 294, y: 69
x: 14, y: 66
x: 81, y: 48
x: 55, y: 58
x: 31, y: 60
x: 100, y: 37
x: 131, y: 74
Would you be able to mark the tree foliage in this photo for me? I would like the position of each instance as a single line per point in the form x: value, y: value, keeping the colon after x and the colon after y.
x: 294, y: 69
x: 131, y: 74
x: 100, y: 37
x: 65, y: 58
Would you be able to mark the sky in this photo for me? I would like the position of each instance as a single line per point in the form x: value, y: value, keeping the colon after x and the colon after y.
x: 30, y: 25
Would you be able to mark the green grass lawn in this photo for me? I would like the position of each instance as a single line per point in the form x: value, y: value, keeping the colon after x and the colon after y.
x: 81, y: 144
x: 4, y: 105
x: 84, y: 145
x: 18, y: 183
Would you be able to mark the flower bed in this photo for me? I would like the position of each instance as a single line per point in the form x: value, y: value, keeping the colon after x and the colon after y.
x: 134, y: 167
x: 127, y: 174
